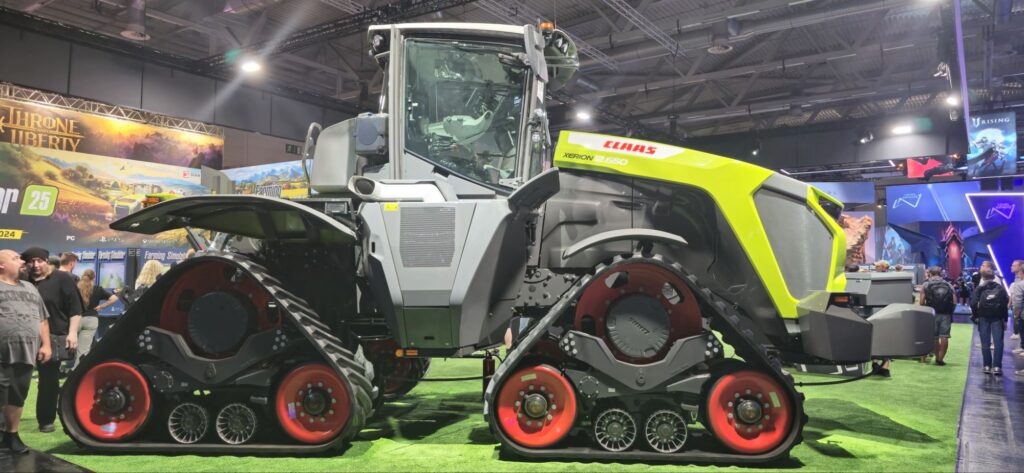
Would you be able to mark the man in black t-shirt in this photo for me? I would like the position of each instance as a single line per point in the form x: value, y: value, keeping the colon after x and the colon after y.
x: 64, y: 305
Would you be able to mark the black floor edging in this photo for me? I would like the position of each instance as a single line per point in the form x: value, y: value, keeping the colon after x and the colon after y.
x: 36, y: 461
x: 991, y: 430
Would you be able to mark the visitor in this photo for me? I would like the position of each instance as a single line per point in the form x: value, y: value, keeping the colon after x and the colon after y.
x: 940, y: 296
x: 96, y: 299
x: 1017, y: 302
x: 989, y: 310
x: 64, y: 306
x: 68, y: 261
x: 880, y: 367
x: 147, y: 276
x: 24, y: 339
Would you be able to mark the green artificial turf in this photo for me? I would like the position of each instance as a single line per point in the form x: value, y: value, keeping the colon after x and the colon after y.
x: 906, y: 423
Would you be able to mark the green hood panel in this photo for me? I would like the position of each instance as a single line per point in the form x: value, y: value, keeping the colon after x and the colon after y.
x: 730, y: 183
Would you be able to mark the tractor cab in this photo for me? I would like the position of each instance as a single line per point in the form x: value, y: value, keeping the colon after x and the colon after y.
x: 462, y: 105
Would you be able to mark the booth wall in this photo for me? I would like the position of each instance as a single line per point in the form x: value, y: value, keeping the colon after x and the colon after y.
x: 835, y: 143
x: 45, y: 63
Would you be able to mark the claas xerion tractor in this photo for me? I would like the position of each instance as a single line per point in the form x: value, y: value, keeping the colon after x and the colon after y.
x: 619, y: 272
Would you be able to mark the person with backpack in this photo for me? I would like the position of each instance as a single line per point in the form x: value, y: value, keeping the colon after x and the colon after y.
x: 938, y: 294
x: 989, y: 309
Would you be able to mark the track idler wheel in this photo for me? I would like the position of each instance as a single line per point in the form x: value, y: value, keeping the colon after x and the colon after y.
x: 236, y: 424
x: 666, y: 431
x: 188, y: 423
x: 615, y: 430
x: 536, y: 407
x: 112, y: 401
x: 312, y: 404
x: 639, y: 309
x: 749, y: 411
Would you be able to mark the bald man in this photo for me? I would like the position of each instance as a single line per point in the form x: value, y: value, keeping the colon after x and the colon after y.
x: 24, y: 339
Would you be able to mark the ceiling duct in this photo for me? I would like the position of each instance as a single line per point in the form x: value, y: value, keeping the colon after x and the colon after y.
x: 135, y: 30
x: 720, y: 38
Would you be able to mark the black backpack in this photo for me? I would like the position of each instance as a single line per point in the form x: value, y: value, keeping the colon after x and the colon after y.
x: 991, y: 304
x: 939, y: 296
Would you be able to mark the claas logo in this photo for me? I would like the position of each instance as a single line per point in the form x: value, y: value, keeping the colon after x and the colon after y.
x: 631, y: 147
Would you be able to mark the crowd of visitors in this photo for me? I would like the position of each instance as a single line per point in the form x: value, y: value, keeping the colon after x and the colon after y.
x: 48, y: 319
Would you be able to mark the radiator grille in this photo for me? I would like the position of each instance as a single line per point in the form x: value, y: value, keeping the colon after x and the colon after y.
x: 428, y: 237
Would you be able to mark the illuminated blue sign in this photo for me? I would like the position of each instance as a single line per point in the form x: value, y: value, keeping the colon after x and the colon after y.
x: 995, y: 211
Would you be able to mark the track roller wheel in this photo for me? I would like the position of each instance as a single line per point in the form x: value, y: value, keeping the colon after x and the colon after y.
x: 749, y: 411
x: 666, y: 431
x: 236, y: 423
x: 188, y: 423
x: 639, y: 310
x: 615, y: 430
x: 112, y: 401
x: 536, y: 407
x: 312, y: 404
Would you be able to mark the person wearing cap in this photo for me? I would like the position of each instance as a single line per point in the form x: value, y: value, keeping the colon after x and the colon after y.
x: 24, y: 339
x: 64, y: 305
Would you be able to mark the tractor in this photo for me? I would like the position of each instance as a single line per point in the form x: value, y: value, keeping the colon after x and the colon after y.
x: 650, y: 296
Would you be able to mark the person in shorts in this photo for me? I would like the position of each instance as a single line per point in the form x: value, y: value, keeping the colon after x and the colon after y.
x: 24, y: 339
x: 938, y: 294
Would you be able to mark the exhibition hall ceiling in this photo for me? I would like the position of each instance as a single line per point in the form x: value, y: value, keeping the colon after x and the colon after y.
x: 709, y: 66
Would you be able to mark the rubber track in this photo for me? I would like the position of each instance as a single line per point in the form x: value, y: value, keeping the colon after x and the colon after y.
x: 353, y: 368
x: 736, y: 331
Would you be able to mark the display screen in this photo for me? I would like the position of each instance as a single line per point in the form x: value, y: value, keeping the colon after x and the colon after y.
x: 929, y: 166
x: 944, y: 202
x: 111, y: 273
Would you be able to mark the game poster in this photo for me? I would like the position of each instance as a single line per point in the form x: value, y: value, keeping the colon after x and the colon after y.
x: 284, y: 180
x: 992, y: 141
x: 41, y: 126
x: 860, y: 236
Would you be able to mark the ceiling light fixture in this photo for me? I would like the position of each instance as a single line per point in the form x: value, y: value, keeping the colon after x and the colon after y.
x: 250, y: 66
x: 583, y: 115
x: 902, y: 129
x: 952, y: 100
x: 866, y: 137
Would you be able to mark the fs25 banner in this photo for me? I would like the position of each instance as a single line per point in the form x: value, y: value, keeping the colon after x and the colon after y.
x: 65, y: 175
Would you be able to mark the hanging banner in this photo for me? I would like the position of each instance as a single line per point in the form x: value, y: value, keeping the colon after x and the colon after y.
x: 284, y: 180
x: 35, y: 125
x: 992, y: 139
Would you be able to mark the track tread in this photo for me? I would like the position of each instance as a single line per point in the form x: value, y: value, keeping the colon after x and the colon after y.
x: 352, y: 366
x: 735, y: 330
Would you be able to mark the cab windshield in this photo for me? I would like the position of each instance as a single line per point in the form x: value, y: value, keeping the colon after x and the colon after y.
x: 464, y: 106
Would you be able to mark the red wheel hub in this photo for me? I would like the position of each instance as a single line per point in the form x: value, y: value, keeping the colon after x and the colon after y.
x: 536, y: 407
x: 312, y: 404
x: 112, y: 401
x: 663, y: 290
x: 205, y: 278
x: 749, y: 411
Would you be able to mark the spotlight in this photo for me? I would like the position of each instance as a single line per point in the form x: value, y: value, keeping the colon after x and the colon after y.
x: 880, y: 204
x: 902, y: 129
x: 866, y: 137
x: 952, y: 100
x: 583, y: 115
x: 250, y: 66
